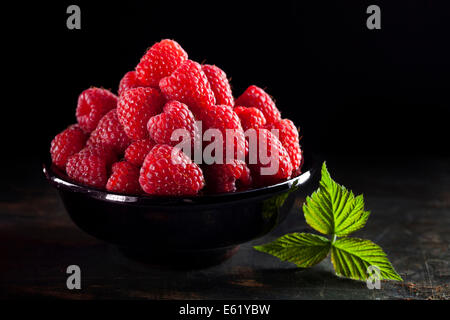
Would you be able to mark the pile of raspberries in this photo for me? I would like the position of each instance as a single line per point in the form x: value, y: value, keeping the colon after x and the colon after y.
x: 122, y: 143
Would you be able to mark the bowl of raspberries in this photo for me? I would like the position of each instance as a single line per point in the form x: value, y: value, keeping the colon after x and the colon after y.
x: 174, y: 168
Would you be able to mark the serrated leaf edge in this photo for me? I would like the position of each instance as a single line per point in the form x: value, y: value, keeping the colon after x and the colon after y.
x: 287, y: 238
x: 386, y: 274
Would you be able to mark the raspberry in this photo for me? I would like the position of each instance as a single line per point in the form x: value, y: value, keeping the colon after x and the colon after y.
x: 129, y: 81
x: 217, y: 181
x: 222, y: 177
x: 93, y: 104
x: 159, y: 62
x: 277, y: 159
x: 134, y: 109
x: 137, y: 150
x: 225, y: 119
x: 297, y: 171
x: 257, y: 98
x: 245, y: 180
x: 168, y: 171
x: 90, y: 166
x: 288, y: 136
x: 176, y: 115
x: 66, y: 144
x: 124, y: 178
x: 188, y: 84
x: 104, y: 152
x: 227, y: 177
x: 219, y: 84
x: 250, y: 117
x: 166, y: 92
x: 109, y: 132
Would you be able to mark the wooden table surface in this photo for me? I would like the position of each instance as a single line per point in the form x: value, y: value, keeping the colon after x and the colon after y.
x: 409, y: 200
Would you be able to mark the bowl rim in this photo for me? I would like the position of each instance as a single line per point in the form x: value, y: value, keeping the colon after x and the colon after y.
x: 60, y: 181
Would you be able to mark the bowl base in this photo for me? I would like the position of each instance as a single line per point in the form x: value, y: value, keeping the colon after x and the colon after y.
x: 195, y: 259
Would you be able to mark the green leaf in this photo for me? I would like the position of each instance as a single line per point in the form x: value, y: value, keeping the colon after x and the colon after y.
x: 303, y: 249
x: 352, y: 256
x: 354, y: 219
x: 333, y: 209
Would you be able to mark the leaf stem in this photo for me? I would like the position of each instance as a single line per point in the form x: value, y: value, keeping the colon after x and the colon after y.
x: 334, y: 239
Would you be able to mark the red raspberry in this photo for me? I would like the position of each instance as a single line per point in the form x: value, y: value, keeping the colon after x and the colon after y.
x: 134, y: 109
x: 129, y: 81
x: 137, y: 150
x: 66, y: 144
x: 227, y: 177
x: 124, y: 178
x: 233, y: 169
x: 257, y: 98
x: 288, y: 136
x: 277, y: 158
x: 188, y: 84
x: 168, y: 171
x: 219, y: 84
x: 159, y: 62
x: 250, y: 117
x: 245, y: 179
x: 93, y: 104
x: 222, y: 177
x: 297, y: 171
x: 176, y: 115
x: 104, y: 152
x: 90, y: 166
x: 109, y: 132
x: 224, y: 118
x: 217, y: 181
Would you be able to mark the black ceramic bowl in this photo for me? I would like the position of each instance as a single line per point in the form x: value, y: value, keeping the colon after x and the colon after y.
x: 193, y: 231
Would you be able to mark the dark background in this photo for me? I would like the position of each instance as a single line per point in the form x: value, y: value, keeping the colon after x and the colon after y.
x: 374, y: 104
x: 353, y: 91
